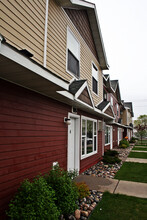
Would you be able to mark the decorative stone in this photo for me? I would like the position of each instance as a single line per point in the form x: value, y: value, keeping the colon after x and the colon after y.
x: 77, y: 214
x: 85, y: 213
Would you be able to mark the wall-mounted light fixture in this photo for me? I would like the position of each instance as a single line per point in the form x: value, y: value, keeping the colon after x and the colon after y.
x: 67, y: 121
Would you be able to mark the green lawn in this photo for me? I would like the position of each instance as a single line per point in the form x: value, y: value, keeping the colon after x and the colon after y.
x: 120, y: 207
x: 140, y: 148
x: 138, y: 155
x: 131, y: 171
x: 143, y: 143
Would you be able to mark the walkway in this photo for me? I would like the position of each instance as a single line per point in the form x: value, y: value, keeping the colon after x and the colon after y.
x: 116, y: 186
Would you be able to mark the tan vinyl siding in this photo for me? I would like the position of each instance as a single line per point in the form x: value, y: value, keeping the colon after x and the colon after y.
x: 23, y: 25
x: 56, y: 49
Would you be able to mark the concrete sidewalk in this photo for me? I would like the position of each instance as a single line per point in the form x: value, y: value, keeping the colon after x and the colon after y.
x: 136, y: 160
x: 141, y: 151
x: 132, y: 188
x: 114, y: 186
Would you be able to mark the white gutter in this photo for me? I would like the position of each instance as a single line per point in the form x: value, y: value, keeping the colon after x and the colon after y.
x: 45, y: 33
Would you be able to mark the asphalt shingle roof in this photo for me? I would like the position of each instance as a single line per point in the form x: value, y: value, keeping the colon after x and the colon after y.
x: 102, y: 105
x: 75, y: 86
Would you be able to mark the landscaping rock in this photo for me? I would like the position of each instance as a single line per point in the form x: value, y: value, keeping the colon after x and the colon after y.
x: 77, y: 214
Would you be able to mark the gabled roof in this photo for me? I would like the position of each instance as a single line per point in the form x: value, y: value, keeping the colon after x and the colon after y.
x: 94, y: 24
x: 81, y: 91
x: 102, y: 105
x: 114, y: 84
x: 75, y: 86
x: 129, y: 105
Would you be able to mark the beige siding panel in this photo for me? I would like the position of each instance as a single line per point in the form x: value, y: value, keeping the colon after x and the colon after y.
x: 22, y: 33
x: 23, y: 25
x: 20, y: 44
x: 57, y: 34
x: 32, y: 12
x: 24, y: 17
x: 39, y: 9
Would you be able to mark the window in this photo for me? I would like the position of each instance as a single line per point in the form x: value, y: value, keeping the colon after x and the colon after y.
x: 111, y: 101
x: 105, y: 95
x: 120, y: 133
x: 73, y: 54
x: 89, y: 136
x: 94, y: 79
x: 107, y: 135
x: 117, y: 110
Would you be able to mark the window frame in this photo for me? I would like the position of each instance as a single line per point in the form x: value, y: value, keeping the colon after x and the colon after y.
x: 93, y: 64
x: 67, y: 48
x: 109, y: 133
x: 111, y: 101
x: 85, y: 155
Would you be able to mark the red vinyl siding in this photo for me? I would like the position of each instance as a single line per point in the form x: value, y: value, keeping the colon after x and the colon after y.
x: 32, y: 136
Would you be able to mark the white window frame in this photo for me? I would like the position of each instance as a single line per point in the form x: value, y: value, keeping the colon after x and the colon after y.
x: 96, y: 78
x: 111, y: 101
x: 117, y: 109
x: 78, y: 56
x: 108, y: 134
x: 85, y: 136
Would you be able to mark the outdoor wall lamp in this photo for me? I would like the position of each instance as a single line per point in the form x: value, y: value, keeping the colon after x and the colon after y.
x: 67, y: 121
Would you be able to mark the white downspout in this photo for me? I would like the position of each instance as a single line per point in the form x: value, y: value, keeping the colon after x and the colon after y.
x: 45, y: 33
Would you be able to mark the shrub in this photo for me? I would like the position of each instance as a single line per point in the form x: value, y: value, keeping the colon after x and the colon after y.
x: 124, y: 143
x: 65, y: 190
x: 34, y: 200
x: 110, y: 159
x: 133, y: 140
x: 111, y: 153
x: 83, y: 189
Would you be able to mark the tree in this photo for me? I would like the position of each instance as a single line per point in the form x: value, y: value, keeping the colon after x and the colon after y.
x: 141, y: 127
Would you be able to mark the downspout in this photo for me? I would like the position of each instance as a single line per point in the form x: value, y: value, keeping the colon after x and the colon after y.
x: 45, y: 33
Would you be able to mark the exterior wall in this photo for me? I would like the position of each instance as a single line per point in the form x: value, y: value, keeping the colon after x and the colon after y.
x: 32, y: 136
x: 107, y: 147
x: 56, y: 54
x: 126, y: 117
x: 23, y: 27
x: 115, y: 102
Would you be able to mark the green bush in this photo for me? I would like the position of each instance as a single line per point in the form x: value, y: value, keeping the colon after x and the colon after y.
x: 83, y: 189
x: 65, y: 190
x: 34, y: 200
x: 133, y: 140
x: 110, y: 159
x: 124, y: 143
x: 111, y: 153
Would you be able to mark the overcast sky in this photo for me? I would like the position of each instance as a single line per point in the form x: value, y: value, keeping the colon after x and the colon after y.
x: 124, y: 29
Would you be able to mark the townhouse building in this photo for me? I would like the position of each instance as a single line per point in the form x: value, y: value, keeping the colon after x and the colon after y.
x: 52, y: 104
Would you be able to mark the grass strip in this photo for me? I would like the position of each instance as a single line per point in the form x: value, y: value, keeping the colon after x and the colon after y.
x: 140, y: 148
x: 131, y: 171
x: 138, y: 155
x: 117, y: 206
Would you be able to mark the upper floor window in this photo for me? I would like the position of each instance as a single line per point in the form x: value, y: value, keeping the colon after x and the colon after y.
x: 105, y: 95
x: 73, y: 54
x: 117, y: 109
x: 111, y: 101
x: 94, y: 79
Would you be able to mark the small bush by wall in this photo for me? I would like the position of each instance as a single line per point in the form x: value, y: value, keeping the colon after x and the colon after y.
x: 34, y: 200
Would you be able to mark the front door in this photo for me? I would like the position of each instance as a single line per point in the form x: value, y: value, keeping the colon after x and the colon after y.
x: 73, y: 160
